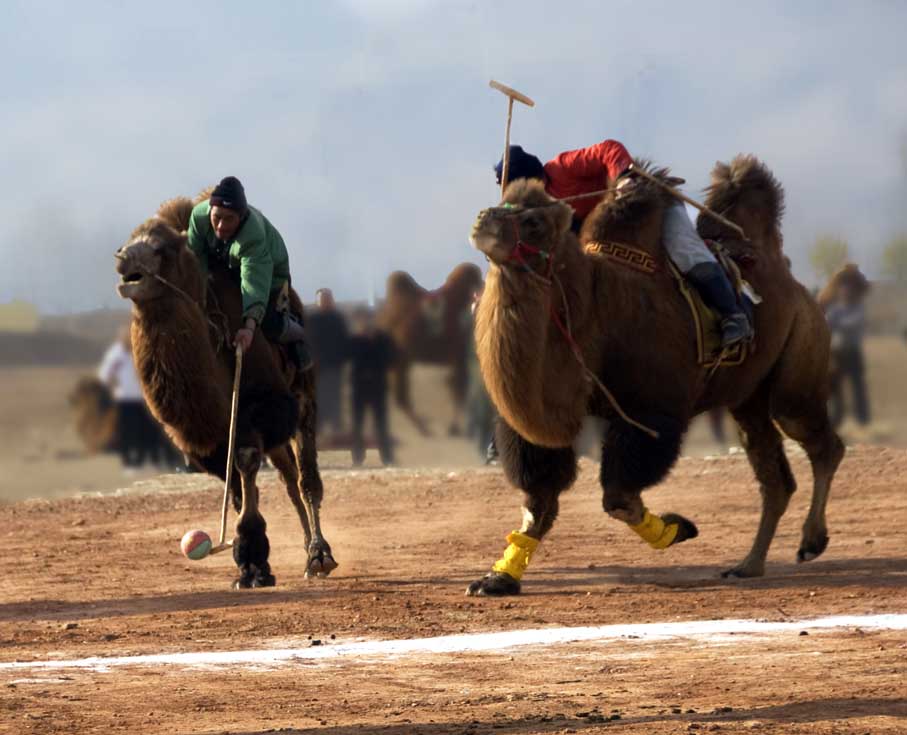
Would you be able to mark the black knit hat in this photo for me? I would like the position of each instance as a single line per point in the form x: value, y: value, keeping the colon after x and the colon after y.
x: 522, y: 166
x: 229, y: 194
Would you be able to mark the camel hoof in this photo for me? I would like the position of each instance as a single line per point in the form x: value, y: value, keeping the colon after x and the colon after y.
x: 264, y: 580
x: 743, y: 572
x: 812, y: 550
x: 494, y: 584
x: 686, y: 529
x: 320, y: 565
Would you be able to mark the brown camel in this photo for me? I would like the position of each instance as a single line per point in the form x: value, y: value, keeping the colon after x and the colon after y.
x: 181, y: 344
x: 94, y: 413
x: 431, y: 327
x: 634, y: 332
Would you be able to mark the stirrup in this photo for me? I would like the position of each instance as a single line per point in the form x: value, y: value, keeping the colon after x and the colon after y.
x: 735, y: 329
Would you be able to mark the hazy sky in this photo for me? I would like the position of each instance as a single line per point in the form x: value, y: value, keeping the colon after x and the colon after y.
x: 366, y: 131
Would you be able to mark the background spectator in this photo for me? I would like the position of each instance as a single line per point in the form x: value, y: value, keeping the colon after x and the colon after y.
x: 372, y: 352
x: 139, y: 437
x: 329, y: 337
x: 843, y: 300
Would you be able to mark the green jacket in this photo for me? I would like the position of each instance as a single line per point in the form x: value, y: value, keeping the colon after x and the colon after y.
x: 257, y: 251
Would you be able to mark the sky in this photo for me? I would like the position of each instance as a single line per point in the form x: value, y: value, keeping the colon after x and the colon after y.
x: 366, y: 130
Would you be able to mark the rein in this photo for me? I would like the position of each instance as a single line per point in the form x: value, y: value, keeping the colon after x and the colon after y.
x: 518, y: 255
x: 222, y: 330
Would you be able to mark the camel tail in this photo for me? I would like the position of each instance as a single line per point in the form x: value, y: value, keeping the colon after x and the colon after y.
x: 745, y: 184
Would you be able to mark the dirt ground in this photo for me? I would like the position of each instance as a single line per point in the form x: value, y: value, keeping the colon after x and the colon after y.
x: 103, y: 576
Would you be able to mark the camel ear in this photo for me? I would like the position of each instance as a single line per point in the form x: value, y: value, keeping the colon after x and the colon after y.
x: 564, y: 217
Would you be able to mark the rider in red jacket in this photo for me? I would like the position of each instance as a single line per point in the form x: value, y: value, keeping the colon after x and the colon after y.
x: 605, y: 165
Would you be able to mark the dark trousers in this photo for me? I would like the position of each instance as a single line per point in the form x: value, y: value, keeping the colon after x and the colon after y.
x: 328, y: 386
x: 849, y: 366
x: 377, y: 402
x: 140, y: 439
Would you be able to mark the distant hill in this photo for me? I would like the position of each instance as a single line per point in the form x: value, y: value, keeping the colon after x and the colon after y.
x: 99, y: 325
x: 49, y: 348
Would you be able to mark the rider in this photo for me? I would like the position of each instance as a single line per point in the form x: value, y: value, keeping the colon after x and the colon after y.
x: 608, y: 164
x: 225, y: 228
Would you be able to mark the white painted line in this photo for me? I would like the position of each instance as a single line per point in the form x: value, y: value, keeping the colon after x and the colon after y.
x: 468, y: 643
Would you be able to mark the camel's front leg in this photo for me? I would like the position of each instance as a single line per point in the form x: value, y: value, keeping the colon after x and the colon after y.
x: 321, y: 560
x: 633, y: 461
x: 251, y: 547
x: 542, y: 474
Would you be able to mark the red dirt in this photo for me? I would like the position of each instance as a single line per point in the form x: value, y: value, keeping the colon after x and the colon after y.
x: 103, y: 576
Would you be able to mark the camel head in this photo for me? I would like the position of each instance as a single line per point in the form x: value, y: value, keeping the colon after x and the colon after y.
x: 527, y: 216
x: 154, y: 251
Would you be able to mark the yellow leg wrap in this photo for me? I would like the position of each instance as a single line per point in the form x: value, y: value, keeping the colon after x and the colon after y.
x: 655, y: 532
x: 517, y: 555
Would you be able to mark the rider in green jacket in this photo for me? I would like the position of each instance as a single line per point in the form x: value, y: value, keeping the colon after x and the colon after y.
x: 225, y: 228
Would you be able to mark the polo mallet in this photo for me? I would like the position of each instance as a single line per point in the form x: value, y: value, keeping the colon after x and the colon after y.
x: 511, y: 95
x: 223, y: 544
x: 692, y: 202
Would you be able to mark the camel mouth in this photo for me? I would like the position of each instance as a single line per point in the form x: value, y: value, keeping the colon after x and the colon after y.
x: 131, y: 278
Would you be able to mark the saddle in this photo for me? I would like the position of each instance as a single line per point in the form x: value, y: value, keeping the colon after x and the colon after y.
x: 706, y: 321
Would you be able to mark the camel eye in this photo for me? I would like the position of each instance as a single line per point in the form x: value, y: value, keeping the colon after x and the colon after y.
x: 532, y: 222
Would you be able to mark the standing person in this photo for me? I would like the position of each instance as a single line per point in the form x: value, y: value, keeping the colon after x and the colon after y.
x: 136, y: 431
x: 225, y: 228
x: 329, y: 335
x: 607, y: 164
x: 843, y: 301
x: 372, y: 352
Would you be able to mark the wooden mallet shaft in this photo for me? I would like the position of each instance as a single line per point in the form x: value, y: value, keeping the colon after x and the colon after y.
x: 511, y: 95
x: 692, y: 202
x: 223, y: 544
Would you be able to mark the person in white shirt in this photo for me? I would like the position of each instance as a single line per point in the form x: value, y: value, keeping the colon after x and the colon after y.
x: 138, y: 436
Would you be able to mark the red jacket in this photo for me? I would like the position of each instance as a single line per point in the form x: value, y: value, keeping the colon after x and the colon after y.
x: 585, y: 170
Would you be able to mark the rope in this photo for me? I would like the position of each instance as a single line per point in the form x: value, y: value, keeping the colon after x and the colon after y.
x: 222, y: 331
x: 567, y: 330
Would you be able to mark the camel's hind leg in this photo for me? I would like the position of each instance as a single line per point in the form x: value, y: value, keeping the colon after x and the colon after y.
x: 542, y: 474
x: 285, y: 462
x: 765, y: 451
x: 799, y: 396
x: 825, y: 451
x: 320, y: 558
x: 403, y: 396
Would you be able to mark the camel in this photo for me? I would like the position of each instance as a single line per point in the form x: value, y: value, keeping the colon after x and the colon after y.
x: 95, y: 415
x: 548, y: 291
x: 181, y: 334
x: 430, y: 327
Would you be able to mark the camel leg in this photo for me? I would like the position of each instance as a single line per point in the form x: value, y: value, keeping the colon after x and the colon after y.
x: 458, y: 382
x: 251, y: 547
x: 825, y: 451
x: 799, y: 403
x: 543, y: 474
x: 404, y: 399
x: 633, y: 461
x: 765, y: 451
x: 285, y: 462
x: 320, y: 559
x: 811, y: 428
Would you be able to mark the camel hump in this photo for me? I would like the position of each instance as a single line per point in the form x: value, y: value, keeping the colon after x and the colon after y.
x: 176, y: 212
x: 466, y: 276
x: 204, y: 195
x: 744, y: 184
x: 401, y: 283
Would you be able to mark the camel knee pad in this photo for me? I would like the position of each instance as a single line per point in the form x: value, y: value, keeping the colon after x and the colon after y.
x: 655, y: 532
x: 516, y: 555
